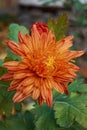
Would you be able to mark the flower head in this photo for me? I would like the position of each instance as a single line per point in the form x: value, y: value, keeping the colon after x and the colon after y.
x: 46, y: 64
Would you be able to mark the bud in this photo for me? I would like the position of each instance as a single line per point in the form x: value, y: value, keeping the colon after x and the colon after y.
x: 41, y: 27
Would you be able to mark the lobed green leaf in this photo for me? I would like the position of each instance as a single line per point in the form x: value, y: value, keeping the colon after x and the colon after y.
x: 59, y: 27
x: 77, y: 86
x: 13, y: 31
x: 71, y: 108
x: 29, y: 119
x: 44, y: 118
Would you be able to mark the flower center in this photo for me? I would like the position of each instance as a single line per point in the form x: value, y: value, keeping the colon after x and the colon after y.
x: 50, y: 61
x: 43, y: 66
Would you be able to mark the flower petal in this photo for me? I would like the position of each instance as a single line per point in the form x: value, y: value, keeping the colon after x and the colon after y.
x: 14, y: 48
x: 11, y: 65
x: 36, y: 93
x: 8, y: 76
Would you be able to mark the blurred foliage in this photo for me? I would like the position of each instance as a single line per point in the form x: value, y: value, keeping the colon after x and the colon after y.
x: 67, y: 113
x: 48, y: 2
x: 6, y: 18
x: 79, y: 8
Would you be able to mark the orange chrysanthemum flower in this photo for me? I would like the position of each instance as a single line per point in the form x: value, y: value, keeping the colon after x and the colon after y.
x: 45, y: 64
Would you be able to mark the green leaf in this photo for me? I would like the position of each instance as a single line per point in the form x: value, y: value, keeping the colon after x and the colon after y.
x: 7, y: 58
x: 13, y: 31
x: 75, y: 126
x: 13, y: 35
x: 78, y: 6
x: 77, y: 86
x: 17, y: 107
x: 73, y: 48
x: 2, y: 126
x: 82, y: 88
x: 81, y: 20
x: 5, y: 100
x: 10, y: 54
x: 73, y: 86
x: 71, y: 108
x: 2, y: 71
x: 29, y: 119
x: 5, y: 96
x: 44, y: 118
x: 59, y: 27
x: 1, y: 61
x: 15, y: 123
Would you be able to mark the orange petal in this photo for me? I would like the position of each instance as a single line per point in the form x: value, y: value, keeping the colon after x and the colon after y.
x: 49, y: 99
x: 14, y: 48
x: 14, y: 84
x: 25, y: 43
x: 68, y: 38
x: 74, y: 54
x: 65, y: 87
x: 27, y: 90
x: 22, y: 65
x: 21, y: 74
x: 25, y: 49
x: 26, y: 82
x: 44, y: 92
x: 36, y: 93
x: 48, y: 83
x: 36, y: 38
x: 12, y: 65
x: 64, y: 44
x: 58, y: 87
x: 21, y: 37
x: 18, y: 97
x: 8, y: 76
x: 40, y: 100
x: 50, y: 39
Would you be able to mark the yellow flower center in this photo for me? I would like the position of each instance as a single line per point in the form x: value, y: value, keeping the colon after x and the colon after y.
x: 50, y: 61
